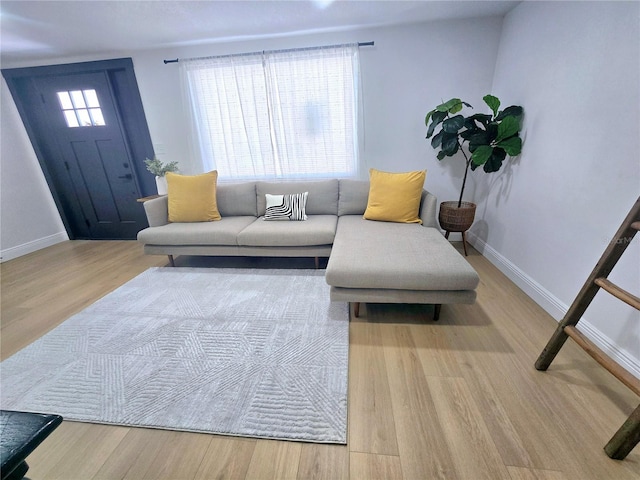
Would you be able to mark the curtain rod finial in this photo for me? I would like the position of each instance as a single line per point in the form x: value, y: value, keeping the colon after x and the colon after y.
x: 170, y: 61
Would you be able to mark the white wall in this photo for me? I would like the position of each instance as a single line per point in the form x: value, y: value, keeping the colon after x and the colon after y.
x: 29, y: 219
x: 549, y: 215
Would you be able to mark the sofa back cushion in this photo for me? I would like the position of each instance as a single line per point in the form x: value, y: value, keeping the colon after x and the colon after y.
x: 192, y: 198
x: 321, y: 200
x: 237, y: 199
x: 354, y: 195
x: 395, y: 197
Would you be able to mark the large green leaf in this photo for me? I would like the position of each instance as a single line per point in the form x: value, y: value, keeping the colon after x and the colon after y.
x: 513, y: 111
x: 436, y: 141
x: 470, y: 125
x: 508, y: 127
x: 453, y: 124
x: 452, y: 106
x: 480, y: 137
x: 512, y: 145
x: 481, y: 118
x: 493, y: 102
x: 428, y: 117
x: 436, y: 119
x: 479, y: 140
x: 469, y: 132
x: 492, y: 131
x: 450, y: 144
x: 494, y: 163
x: 481, y: 154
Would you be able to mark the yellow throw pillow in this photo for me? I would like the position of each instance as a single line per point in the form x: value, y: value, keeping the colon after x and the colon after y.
x: 192, y: 198
x: 395, y: 197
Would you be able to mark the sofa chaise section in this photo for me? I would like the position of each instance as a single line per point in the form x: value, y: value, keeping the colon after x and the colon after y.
x: 378, y: 262
x: 387, y: 262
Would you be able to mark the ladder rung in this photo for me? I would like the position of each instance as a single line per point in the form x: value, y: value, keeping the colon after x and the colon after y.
x: 618, y: 292
x: 635, y: 225
x: 603, y: 359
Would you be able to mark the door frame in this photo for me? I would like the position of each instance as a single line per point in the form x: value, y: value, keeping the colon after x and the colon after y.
x: 129, y: 108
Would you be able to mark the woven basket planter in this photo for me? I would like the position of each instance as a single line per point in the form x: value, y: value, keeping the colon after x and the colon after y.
x: 454, y: 219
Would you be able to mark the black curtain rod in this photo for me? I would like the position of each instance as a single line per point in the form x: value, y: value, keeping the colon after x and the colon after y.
x: 360, y: 44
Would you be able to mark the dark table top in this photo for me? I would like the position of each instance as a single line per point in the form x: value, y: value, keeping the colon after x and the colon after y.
x: 20, y: 434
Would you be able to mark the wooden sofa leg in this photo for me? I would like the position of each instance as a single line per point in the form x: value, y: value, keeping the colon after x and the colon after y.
x: 317, y: 260
x: 436, y: 312
x: 171, y: 262
x: 356, y: 309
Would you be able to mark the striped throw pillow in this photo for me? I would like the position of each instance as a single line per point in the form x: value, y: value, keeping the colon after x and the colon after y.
x: 286, y: 207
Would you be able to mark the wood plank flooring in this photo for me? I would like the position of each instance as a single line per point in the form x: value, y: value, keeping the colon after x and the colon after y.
x: 453, y: 399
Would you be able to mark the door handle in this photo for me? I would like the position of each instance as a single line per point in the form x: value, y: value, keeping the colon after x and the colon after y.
x: 126, y: 177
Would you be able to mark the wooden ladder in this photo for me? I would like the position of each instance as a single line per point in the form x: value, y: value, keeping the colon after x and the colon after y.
x: 627, y: 437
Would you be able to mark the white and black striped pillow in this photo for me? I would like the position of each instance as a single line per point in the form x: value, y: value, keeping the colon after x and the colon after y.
x: 286, y: 207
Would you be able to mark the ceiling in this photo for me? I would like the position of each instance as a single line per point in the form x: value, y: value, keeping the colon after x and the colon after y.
x: 33, y: 31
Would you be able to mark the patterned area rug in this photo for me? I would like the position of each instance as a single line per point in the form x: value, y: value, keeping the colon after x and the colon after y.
x: 248, y: 352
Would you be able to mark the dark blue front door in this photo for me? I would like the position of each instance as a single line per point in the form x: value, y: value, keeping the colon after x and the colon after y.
x: 89, y: 132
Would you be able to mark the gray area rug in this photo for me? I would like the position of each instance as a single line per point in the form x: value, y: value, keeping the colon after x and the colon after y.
x: 248, y: 352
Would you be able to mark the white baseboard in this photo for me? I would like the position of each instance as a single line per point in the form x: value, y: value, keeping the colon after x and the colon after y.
x: 33, y: 246
x: 552, y: 305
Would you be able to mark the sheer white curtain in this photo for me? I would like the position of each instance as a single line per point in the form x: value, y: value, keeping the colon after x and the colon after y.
x: 287, y: 114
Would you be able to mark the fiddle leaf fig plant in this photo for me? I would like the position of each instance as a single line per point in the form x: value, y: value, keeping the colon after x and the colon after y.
x: 490, y: 137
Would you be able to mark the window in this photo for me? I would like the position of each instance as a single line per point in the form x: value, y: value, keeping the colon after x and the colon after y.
x: 288, y: 114
x: 81, y: 108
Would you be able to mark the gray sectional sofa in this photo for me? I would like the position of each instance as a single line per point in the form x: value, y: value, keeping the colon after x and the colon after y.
x: 369, y: 261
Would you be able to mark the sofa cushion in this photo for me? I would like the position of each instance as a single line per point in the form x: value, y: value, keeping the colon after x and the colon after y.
x: 289, y: 207
x: 222, y: 232
x: 395, y: 197
x: 192, y: 198
x: 322, y: 198
x: 403, y: 256
x: 316, y: 230
x: 237, y: 199
x: 353, y: 197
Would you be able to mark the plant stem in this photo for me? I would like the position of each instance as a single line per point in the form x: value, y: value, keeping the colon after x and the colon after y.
x: 466, y: 171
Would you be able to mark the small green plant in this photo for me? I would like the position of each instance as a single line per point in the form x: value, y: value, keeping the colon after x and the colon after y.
x: 490, y: 137
x: 156, y: 167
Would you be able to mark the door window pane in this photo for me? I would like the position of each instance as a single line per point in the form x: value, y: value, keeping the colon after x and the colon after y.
x: 78, y: 99
x: 91, y: 98
x: 83, y: 117
x: 96, y: 117
x: 70, y: 117
x: 65, y: 100
x: 74, y: 108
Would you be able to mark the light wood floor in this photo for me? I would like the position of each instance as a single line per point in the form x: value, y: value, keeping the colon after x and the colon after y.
x: 456, y: 399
